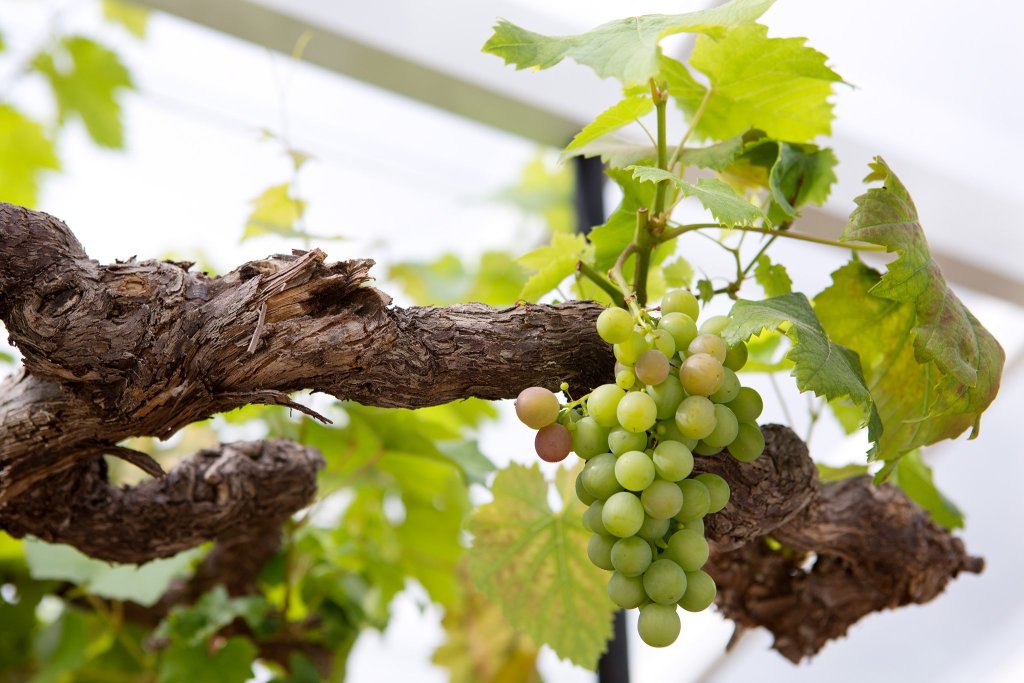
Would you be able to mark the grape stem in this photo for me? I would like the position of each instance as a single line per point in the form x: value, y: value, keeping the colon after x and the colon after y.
x: 676, y: 231
x: 607, y: 287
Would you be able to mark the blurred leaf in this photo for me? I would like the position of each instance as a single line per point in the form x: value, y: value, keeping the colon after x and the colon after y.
x: 496, y: 281
x: 772, y: 277
x: 275, y: 212
x: 849, y: 416
x: 765, y: 354
x: 827, y: 473
x: 611, y: 238
x: 705, y: 290
x: 532, y: 562
x: 25, y: 152
x: 194, y: 625
x: 914, y: 476
x: 87, y: 80
x: 134, y: 18
x: 552, y: 263
x: 467, y: 454
x: 678, y: 274
x: 227, y: 663
x: 544, y: 189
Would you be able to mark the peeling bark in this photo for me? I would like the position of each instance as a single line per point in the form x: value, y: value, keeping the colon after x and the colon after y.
x: 145, y: 348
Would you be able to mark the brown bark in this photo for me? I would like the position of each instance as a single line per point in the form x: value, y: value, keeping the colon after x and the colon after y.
x: 144, y: 348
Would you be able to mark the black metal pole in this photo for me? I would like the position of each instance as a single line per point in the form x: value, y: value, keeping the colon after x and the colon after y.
x: 613, y: 666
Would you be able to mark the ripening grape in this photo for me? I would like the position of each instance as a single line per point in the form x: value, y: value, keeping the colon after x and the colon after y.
x: 688, y: 549
x: 680, y: 301
x: 668, y: 430
x: 620, y: 441
x: 716, y: 324
x: 695, y: 417
x: 652, y: 529
x: 662, y: 499
x: 736, y: 357
x: 718, y: 491
x: 592, y: 519
x: 658, y: 625
x: 590, y: 438
x: 672, y: 460
x: 636, y: 412
x: 682, y: 328
x: 726, y: 426
x: 634, y: 470
x: 599, y: 476
x: 749, y: 443
x: 694, y: 525
x: 729, y: 389
x: 627, y: 591
x: 665, y: 582
x: 700, y: 592
x: 623, y: 515
x: 584, y: 496
x: 631, y: 556
x: 701, y: 374
x: 711, y: 344
x: 625, y: 378
x: 696, y: 500
x: 599, y: 550
x: 553, y: 443
x: 747, y: 405
x: 664, y: 342
x: 667, y: 396
x: 602, y: 404
x: 614, y: 325
x: 628, y: 351
x: 537, y: 407
x: 652, y: 367
x: 702, y: 448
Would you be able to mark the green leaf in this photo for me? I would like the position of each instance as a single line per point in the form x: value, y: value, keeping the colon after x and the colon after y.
x: 87, y: 80
x: 772, y: 277
x: 717, y: 197
x: 544, y: 189
x: 765, y: 353
x: 626, y: 49
x: 230, y: 663
x: 275, y: 212
x: 134, y: 18
x: 6, y: 358
x: 625, y: 112
x: 848, y: 415
x: 914, y: 476
x: 618, y: 153
x: 918, y: 402
x: 705, y: 290
x: 678, y: 274
x: 553, y: 264
x: 467, y: 454
x: 497, y: 280
x: 819, y: 364
x: 778, y: 85
x: 716, y: 157
x: 143, y: 584
x: 195, y: 624
x: 25, y: 152
x: 826, y: 473
x: 532, y: 562
x: 611, y: 238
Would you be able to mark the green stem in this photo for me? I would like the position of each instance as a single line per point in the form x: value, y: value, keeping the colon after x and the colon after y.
x: 683, y: 229
x: 659, y: 196
x: 607, y: 287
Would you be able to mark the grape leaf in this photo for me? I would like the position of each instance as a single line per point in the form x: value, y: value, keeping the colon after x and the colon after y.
x: 819, y: 364
x: 772, y: 277
x: 467, y: 454
x: 134, y: 18
x: 6, y: 358
x: 544, y: 189
x: 716, y: 157
x: 195, y: 624
x: 626, y: 49
x: 945, y: 332
x: 618, y: 115
x: 617, y: 152
x: 778, y: 85
x: 611, y: 238
x: 25, y: 152
x: 230, y: 663
x: 918, y: 402
x: 497, y: 280
x: 678, y: 273
x: 914, y: 476
x: 827, y: 473
x: 553, y: 264
x: 705, y: 290
x: 717, y: 197
x: 275, y: 212
x: 532, y: 562
x: 87, y: 80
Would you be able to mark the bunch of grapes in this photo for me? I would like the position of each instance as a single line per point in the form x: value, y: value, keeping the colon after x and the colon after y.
x: 676, y: 394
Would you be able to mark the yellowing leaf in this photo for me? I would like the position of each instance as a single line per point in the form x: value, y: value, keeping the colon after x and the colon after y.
x: 532, y: 562
x: 275, y: 212
x: 553, y: 264
x: 25, y: 152
x: 134, y: 18
x: 914, y: 476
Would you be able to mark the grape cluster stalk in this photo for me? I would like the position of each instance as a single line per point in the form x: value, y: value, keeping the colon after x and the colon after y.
x: 676, y: 395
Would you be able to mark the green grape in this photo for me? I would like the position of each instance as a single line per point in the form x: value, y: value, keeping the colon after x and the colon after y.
x: 714, y: 325
x: 701, y: 375
x: 694, y: 525
x: 627, y: 591
x: 667, y: 396
x: 711, y: 344
x: 695, y: 417
x: 625, y: 378
x: 599, y: 550
x: 658, y: 625
x: 668, y: 430
x: 680, y: 301
x: 637, y: 412
x: 584, y: 496
x: 553, y: 443
x: 682, y: 328
x: 696, y: 500
x: 726, y: 426
x: 662, y: 499
x: 688, y: 549
x: 736, y: 357
x: 634, y: 470
x: 718, y: 490
x: 593, y: 520
x: 700, y: 592
x: 631, y: 556
x: 749, y: 443
x: 665, y: 342
x: 628, y: 351
x: 590, y: 438
x: 652, y: 367
x: 537, y: 407
x: 729, y: 389
x: 665, y: 582
x: 623, y: 515
x: 653, y: 529
x: 602, y: 404
x: 702, y: 448
x: 747, y: 405
x: 672, y: 461
x: 620, y: 441
x: 599, y: 476
x: 614, y: 325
